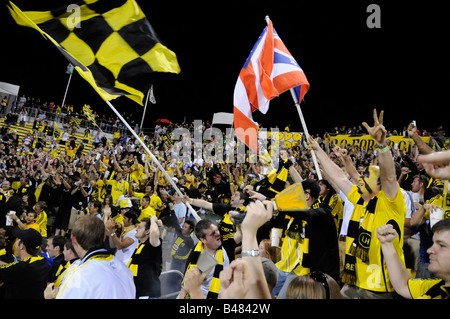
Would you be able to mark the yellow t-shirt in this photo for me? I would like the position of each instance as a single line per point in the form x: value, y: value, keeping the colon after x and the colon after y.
x: 190, y: 180
x: 100, y: 191
x: 290, y: 252
x: 428, y: 289
x: 41, y: 220
x: 373, y: 275
x: 147, y: 212
x: 118, y: 189
x: 156, y: 202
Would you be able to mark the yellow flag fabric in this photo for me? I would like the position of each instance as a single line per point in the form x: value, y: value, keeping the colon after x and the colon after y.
x: 110, y: 42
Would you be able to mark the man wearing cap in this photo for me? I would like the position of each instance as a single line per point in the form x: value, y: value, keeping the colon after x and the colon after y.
x: 26, y: 278
x: 125, y: 205
x: 311, y: 242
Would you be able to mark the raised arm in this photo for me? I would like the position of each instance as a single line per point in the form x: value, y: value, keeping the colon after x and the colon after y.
x: 335, y: 173
x: 398, y: 274
x: 421, y: 145
x: 257, y: 214
x: 199, y: 203
x: 342, y: 153
x: 154, y: 231
x: 296, y: 177
x: 385, y: 161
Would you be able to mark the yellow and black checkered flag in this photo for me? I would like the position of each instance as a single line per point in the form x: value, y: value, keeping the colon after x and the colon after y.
x: 168, y: 138
x: 88, y: 114
x: 110, y: 42
x: 75, y: 121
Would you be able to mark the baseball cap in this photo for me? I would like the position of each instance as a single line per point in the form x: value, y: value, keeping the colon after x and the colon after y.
x: 311, y: 187
x: 124, y: 204
x: 270, y: 271
x: 30, y: 237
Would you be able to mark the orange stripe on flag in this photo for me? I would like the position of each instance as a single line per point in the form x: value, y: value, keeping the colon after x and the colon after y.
x: 278, y: 44
x: 284, y: 81
x: 266, y: 65
x: 245, y: 129
x: 248, y: 78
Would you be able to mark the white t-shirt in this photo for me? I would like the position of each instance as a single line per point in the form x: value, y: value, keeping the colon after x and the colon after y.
x: 125, y: 254
x: 347, y: 214
x: 97, y: 277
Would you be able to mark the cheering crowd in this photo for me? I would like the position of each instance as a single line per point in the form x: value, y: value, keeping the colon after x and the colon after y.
x: 113, y: 223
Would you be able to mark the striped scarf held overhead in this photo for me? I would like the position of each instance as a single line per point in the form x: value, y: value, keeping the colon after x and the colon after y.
x: 275, y: 181
x: 214, y: 287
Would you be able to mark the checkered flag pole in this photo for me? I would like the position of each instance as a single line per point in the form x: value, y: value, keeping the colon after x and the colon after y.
x: 166, y: 175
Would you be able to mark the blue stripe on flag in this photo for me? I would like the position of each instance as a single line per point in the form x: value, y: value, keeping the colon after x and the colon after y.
x: 281, y: 58
x: 297, y: 92
x: 254, y: 48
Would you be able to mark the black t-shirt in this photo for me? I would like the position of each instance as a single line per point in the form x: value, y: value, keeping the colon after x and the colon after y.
x: 78, y: 199
x: 149, y: 265
x: 25, y: 279
x: 57, y: 262
x: 323, y: 243
x: 227, y: 230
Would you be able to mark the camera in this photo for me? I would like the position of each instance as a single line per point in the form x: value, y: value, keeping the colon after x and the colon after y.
x: 239, y: 218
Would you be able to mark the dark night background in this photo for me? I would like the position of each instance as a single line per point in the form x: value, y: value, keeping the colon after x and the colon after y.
x: 401, y: 68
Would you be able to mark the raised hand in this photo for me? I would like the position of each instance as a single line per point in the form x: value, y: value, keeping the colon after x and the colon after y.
x: 386, y: 233
x: 377, y: 131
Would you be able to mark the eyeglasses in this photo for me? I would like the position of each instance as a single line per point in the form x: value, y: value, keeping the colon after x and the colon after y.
x: 321, y: 278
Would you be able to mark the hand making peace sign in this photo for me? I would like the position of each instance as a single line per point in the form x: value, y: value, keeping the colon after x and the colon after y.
x: 378, y: 131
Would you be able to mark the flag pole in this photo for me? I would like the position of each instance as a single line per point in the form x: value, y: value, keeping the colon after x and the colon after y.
x: 313, y: 154
x: 166, y: 175
x: 145, y: 107
x: 302, y: 119
x: 67, y: 88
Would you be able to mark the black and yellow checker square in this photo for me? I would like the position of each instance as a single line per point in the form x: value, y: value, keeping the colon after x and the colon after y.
x: 110, y: 42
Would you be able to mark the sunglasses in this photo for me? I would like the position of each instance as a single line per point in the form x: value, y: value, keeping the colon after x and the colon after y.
x: 321, y: 278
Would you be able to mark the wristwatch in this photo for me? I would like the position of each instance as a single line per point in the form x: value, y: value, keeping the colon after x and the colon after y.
x: 112, y: 235
x: 250, y: 253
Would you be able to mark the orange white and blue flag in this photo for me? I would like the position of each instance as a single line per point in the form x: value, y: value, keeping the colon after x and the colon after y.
x: 269, y: 70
